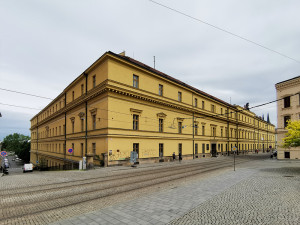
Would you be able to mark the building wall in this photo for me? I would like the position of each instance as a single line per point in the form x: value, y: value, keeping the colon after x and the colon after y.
x: 100, y: 121
x: 289, y: 88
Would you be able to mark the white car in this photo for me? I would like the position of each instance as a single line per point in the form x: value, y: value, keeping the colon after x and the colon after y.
x: 28, y: 167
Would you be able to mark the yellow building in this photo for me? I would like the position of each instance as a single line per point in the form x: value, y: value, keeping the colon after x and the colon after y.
x: 119, y: 105
x: 287, y: 109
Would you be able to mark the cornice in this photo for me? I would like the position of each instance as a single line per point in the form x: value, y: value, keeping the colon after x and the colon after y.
x: 288, y: 83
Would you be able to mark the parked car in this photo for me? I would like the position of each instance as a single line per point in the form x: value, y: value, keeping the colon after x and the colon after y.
x: 28, y: 167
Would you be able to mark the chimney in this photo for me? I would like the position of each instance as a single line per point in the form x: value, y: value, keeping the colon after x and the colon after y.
x: 122, y: 53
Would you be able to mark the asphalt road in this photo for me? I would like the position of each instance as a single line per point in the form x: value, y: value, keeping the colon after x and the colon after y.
x: 15, y: 167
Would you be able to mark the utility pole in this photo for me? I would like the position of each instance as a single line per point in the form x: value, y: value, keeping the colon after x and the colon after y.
x: 154, y: 61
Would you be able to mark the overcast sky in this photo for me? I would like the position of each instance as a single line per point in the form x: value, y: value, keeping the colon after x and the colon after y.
x: 45, y: 45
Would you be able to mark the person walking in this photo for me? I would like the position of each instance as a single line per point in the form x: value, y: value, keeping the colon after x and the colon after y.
x: 174, y: 156
x: 180, y: 156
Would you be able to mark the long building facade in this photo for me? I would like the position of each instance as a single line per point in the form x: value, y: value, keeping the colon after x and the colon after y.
x: 119, y: 105
x: 288, y: 108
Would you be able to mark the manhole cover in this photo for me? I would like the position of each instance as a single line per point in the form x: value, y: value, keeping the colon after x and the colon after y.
x: 288, y: 176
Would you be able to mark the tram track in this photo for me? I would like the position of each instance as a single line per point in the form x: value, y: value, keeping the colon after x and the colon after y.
x: 86, y: 193
x: 107, y: 178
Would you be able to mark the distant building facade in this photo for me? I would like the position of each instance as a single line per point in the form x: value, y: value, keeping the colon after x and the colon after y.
x: 287, y: 109
x: 119, y: 105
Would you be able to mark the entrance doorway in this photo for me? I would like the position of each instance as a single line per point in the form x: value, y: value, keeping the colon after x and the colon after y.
x: 214, y: 150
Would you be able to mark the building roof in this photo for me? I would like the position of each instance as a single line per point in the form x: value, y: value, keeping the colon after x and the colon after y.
x: 151, y: 69
x: 288, y: 80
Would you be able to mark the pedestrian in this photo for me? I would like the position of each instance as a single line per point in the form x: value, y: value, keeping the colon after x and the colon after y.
x: 180, y: 156
x: 173, y: 156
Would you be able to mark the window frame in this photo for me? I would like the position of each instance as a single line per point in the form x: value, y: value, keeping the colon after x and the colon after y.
x: 179, y: 96
x: 135, y: 82
x: 161, y: 90
x: 135, y: 121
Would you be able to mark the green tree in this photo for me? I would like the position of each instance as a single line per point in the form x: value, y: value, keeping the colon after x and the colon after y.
x: 19, y: 144
x: 292, y: 138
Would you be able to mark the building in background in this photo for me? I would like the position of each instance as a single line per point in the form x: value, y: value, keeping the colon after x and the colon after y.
x: 287, y: 109
x: 119, y: 105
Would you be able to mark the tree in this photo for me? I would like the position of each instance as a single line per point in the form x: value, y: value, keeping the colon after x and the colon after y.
x: 292, y: 138
x: 19, y: 144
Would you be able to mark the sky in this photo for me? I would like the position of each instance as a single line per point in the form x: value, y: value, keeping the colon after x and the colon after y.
x: 45, y: 45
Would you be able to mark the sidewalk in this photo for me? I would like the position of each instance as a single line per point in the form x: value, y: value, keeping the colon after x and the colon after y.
x: 261, y: 192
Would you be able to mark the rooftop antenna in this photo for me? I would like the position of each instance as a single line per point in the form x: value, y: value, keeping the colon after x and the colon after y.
x: 154, y: 61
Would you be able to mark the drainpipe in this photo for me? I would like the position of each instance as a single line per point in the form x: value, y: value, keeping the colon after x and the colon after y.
x: 37, y: 138
x: 193, y: 137
x: 227, y: 149
x: 65, y: 131
x: 237, y: 133
x: 86, y: 104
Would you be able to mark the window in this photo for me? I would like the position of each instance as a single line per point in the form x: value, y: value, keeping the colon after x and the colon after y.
x: 207, y: 147
x: 286, y: 120
x: 73, y: 95
x: 59, y: 130
x: 94, y: 121
x: 196, y: 102
x: 94, y: 81
x: 161, y: 150
x: 203, y: 130
x: 160, y: 89
x: 135, y: 81
x: 82, y: 124
x: 213, y: 131
x: 196, y: 129
x: 136, y: 148
x: 73, y: 148
x: 213, y: 108
x: 161, y: 125
x: 203, y: 105
x: 179, y: 127
x: 196, y: 149
x: 72, y: 125
x: 222, y: 111
x: 94, y: 149
x: 203, y: 148
x: 221, y: 132
x: 287, y: 102
x: 82, y: 89
x: 179, y: 96
x: 135, y: 122
x: 180, y: 148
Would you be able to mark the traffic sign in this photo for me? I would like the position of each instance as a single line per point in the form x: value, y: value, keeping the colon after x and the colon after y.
x: 3, y: 153
x: 70, y: 150
x: 234, y: 148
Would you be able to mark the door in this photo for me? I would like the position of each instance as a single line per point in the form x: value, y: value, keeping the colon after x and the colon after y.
x: 213, y: 150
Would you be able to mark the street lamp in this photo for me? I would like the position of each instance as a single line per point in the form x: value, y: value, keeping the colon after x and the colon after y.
x: 0, y: 114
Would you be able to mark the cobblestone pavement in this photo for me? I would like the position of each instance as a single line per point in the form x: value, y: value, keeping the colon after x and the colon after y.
x: 259, y: 192
x: 262, y: 191
x: 271, y: 196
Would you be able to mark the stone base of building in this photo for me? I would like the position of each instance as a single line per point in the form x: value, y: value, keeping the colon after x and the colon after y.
x: 292, y: 153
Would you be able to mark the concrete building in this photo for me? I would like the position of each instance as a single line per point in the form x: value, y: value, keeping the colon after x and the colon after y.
x: 287, y: 109
x: 119, y: 105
